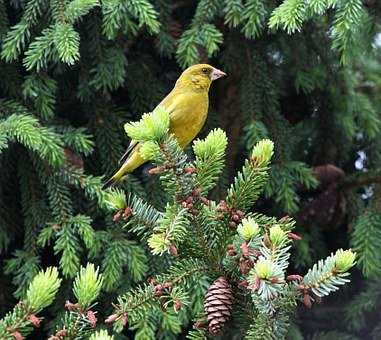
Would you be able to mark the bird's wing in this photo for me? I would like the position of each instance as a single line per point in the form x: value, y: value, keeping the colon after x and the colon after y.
x: 168, y: 103
x: 174, y: 103
x: 131, y: 146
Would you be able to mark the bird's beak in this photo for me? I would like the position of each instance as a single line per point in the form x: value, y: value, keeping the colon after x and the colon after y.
x: 216, y: 73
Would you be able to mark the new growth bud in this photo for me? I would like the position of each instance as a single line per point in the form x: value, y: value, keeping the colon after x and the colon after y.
x: 294, y: 236
x: 71, y: 306
x: 190, y: 170
x: 158, y: 243
x: 157, y: 170
x: 173, y: 250
x: 116, y: 199
x: 344, y: 259
x: 256, y: 284
x: 264, y: 269
x: 92, y: 318
x: 245, y: 249
x: 307, y: 300
x: 17, y: 335
x: 111, y: 318
x: 263, y: 152
x: 245, y: 266
x: 177, y: 305
x: 294, y: 277
x: 149, y: 150
x: 34, y: 320
x: 231, y: 250
x: 277, y: 235
x: 117, y: 217
x: 127, y: 212
x: 248, y: 228
x: 159, y: 290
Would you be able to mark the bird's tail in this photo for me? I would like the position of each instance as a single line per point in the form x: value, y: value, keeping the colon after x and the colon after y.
x: 109, y: 183
x: 117, y: 177
x: 132, y: 162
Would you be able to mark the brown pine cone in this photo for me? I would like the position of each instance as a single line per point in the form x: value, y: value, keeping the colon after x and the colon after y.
x: 73, y: 158
x: 218, y: 305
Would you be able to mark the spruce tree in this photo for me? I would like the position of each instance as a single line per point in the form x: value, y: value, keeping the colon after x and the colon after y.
x: 304, y: 74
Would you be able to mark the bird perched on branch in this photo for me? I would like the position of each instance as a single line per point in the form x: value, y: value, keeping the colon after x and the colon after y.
x: 187, y: 105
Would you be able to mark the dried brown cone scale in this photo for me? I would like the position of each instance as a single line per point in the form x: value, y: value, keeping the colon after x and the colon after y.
x: 218, y: 305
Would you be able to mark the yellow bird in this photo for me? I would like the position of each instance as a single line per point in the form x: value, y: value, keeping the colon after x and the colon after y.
x: 187, y: 105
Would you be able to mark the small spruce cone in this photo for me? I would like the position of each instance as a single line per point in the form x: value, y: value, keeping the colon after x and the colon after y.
x: 218, y: 305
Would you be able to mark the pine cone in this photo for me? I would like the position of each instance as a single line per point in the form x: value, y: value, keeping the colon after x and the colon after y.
x: 218, y: 304
x: 73, y: 158
x: 328, y: 174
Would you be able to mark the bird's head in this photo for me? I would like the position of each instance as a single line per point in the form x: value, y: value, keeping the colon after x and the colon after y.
x: 199, y: 76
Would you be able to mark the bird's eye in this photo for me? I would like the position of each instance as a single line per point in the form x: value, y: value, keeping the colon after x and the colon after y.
x: 204, y: 70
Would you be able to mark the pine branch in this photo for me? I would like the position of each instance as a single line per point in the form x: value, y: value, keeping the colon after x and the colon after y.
x: 210, y: 158
x: 289, y: 16
x: 146, y: 14
x: 91, y: 185
x: 42, y: 91
x: 233, y: 10
x: 40, y: 294
x: 122, y: 253
x: 170, y: 231
x: 110, y: 72
x: 79, y: 8
x: 143, y: 217
x: 24, y: 266
x: 115, y: 17
x: 201, y: 33
x: 248, y: 183
x: 21, y: 126
x: 365, y: 241
x: 254, y: 18
x: 175, y: 179
x: 361, y: 179
x: 328, y: 274
x: 67, y: 246
x: 120, y: 14
x: 19, y: 34
x: 41, y: 51
x: 80, y: 320
x: 348, y: 18
x: 162, y: 293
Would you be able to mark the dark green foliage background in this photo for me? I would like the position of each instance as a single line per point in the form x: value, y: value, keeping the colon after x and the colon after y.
x: 306, y: 74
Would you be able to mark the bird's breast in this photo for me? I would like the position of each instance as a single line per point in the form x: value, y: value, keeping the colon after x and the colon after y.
x: 190, y: 119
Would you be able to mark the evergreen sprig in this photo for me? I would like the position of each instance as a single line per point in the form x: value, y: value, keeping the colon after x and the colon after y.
x: 192, y: 226
x: 79, y: 321
x: 349, y: 16
x: 21, y: 126
x: 87, y: 285
x: 328, y: 274
x: 19, y: 34
x: 73, y: 72
x: 210, y: 158
x: 151, y: 127
x: 40, y: 294
x: 170, y: 231
x: 365, y: 237
x: 144, y: 216
x: 245, y: 190
x: 142, y: 304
